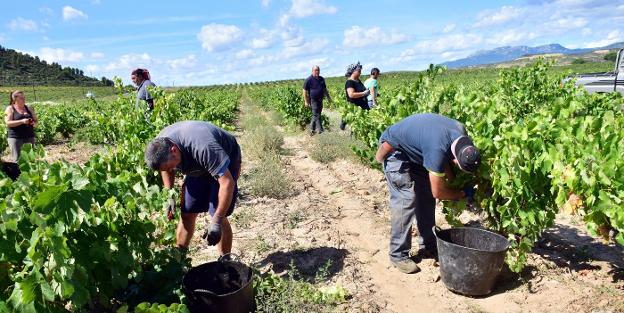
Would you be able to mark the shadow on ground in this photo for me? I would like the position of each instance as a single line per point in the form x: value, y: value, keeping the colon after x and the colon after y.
x: 307, y: 262
x: 567, y: 247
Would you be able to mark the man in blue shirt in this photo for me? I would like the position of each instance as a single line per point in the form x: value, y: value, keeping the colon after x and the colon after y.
x: 314, y: 90
x: 210, y: 158
x: 418, y: 154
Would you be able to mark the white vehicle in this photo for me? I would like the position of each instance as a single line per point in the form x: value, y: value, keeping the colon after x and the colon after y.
x: 603, y: 82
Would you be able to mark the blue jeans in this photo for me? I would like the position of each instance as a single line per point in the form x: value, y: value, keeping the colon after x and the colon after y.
x: 410, y: 195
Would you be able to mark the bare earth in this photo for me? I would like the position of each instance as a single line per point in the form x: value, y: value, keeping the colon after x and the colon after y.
x: 339, y: 212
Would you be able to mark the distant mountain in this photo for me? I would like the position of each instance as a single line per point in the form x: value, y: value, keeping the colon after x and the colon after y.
x: 504, y: 54
x: 18, y: 68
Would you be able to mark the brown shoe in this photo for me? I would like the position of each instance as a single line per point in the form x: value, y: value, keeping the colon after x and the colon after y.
x: 407, y: 266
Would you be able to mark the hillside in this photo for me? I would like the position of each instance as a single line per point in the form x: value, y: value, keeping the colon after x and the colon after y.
x: 17, y: 68
x: 505, y: 54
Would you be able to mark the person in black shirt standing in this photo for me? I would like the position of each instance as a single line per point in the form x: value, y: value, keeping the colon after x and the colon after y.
x: 355, y: 90
x: 314, y: 89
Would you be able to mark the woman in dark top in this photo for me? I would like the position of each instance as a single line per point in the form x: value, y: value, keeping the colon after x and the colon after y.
x: 355, y: 90
x: 21, y: 122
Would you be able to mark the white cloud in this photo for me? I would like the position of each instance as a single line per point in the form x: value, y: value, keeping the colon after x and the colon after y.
x: 306, y: 66
x: 1, y: 38
x: 60, y: 55
x: 304, y: 8
x: 262, y: 60
x: 128, y: 62
x: 70, y: 13
x: 453, y: 55
x: 586, y: 31
x: 265, y: 3
x: 308, y: 48
x: 358, y: 37
x: 569, y: 23
x: 97, y: 55
x: 292, y: 36
x: 451, y: 42
x: 449, y: 28
x: 264, y: 40
x: 188, y: 62
x: 23, y: 24
x: 245, y: 54
x: 612, y: 37
x: 218, y: 37
x: 501, y: 16
x: 509, y: 37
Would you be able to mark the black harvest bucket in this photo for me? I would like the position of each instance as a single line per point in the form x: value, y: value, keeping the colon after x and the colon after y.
x: 220, y: 286
x: 470, y: 259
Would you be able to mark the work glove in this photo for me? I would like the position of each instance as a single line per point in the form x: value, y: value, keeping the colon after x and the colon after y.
x: 469, y: 191
x: 213, y: 233
x: 366, y: 93
x: 171, y: 207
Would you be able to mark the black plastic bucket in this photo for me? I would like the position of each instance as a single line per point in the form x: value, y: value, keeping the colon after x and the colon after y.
x: 470, y: 259
x: 220, y: 286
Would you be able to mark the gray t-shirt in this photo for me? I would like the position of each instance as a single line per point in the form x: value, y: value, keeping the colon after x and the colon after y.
x: 142, y: 93
x: 206, y: 149
x: 425, y: 138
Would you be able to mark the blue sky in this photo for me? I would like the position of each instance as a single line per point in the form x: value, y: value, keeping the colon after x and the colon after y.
x: 214, y: 42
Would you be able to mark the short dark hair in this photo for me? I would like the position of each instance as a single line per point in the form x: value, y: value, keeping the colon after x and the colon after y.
x: 374, y: 71
x: 157, y: 152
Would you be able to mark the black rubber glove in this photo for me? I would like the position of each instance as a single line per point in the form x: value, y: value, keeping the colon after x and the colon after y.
x: 469, y: 191
x: 213, y: 233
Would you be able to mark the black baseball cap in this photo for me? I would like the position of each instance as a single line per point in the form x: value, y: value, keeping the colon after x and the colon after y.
x: 466, y: 154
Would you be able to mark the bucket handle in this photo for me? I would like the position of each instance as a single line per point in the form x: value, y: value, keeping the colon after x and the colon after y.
x: 435, y: 230
x: 204, y: 291
x: 229, y: 257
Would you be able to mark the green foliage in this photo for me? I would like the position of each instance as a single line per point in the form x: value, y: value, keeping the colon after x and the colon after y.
x: 146, y: 307
x: 611, y: 56
x: 287, y: 294
x: 288, y: 101
x: 18, y: 68
x: 85, y: 235
x: 579, y: 61
x: 539, y: 142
